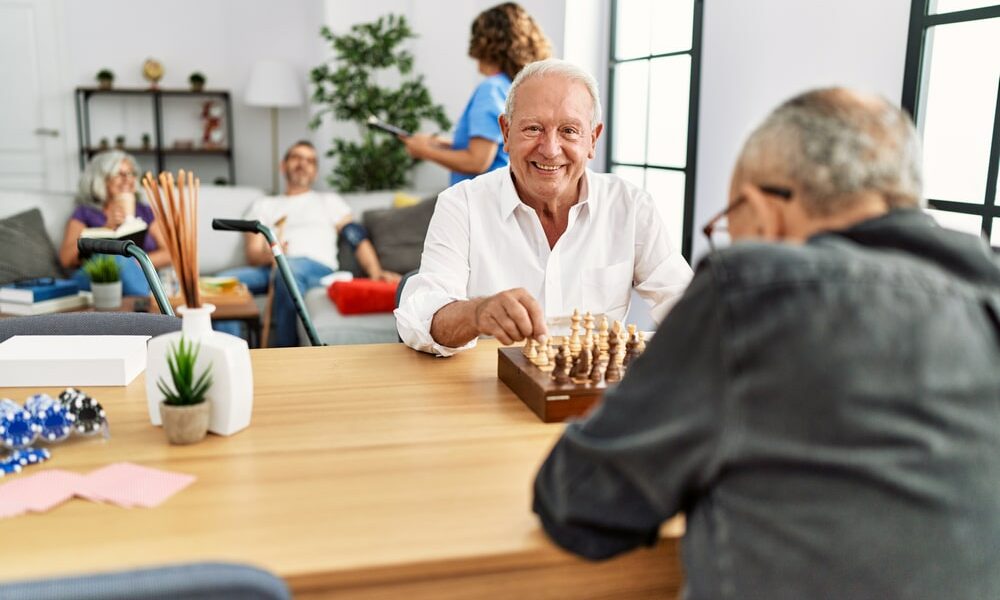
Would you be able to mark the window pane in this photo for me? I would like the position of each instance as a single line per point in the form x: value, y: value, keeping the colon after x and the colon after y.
x: 960, y: 103
x: 667, y: 189
x: 631, y: 96
x: 672, y: 23
x: 632, y: 28
x: 958, y: 221
x: 634, y: 175
x: 669, y: 80
x: 995, y: 234
x: 947, y: 6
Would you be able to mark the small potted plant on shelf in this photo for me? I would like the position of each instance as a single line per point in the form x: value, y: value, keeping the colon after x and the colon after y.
x: 120, y: 142
x: 105, y: 282
x: 146, y: 141
x: 197, y: 80
x: 105, y: 78
x: 103, y: 144
x: 185, y: 409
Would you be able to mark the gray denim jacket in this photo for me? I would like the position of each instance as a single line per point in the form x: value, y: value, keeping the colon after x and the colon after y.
x: 826, y: 415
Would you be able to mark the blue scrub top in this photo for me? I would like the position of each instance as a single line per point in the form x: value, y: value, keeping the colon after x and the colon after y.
x: 480, y: 120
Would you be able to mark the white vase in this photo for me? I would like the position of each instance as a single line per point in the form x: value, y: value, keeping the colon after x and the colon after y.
x: 228, y: 356
x: 107, y: 296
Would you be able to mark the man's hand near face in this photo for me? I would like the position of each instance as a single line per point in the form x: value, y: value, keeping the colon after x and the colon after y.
x: 510, y: 316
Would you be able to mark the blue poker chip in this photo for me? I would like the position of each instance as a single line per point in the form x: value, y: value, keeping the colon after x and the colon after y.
x: 18, y: 429
x: 54, y: 418
x: 9, y: 467
x: 30, y: 456
x: 89, y: 416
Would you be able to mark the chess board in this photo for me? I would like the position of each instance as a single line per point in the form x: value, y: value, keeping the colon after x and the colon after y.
x: 552, y: 402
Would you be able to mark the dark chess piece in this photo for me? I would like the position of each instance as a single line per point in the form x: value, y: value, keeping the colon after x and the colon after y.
x: 561, y: 371
x: 581, y: 371
x: 614, y: 372
x: 597, y: 373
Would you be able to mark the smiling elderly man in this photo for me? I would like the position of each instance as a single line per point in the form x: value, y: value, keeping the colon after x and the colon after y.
x: 508, y: 249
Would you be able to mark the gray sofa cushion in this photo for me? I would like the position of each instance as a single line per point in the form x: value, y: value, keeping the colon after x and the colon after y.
x: 398, y: 234
x: 26, y: 248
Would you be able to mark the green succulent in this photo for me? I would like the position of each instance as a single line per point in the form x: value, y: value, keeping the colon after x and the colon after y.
x: 102, y: 269
x: 105, y: 74
x: 196, y: 78
x: 188, y: 389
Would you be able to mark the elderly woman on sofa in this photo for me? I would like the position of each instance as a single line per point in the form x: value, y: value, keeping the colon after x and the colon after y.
x: 107, y: 198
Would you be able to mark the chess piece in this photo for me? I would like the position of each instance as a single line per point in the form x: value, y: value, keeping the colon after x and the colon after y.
x: 630, y: 350
x: 581, y: 372
x: 574, y: 338
x: 597, y: 373
x: 588, y: 325
x: 561, y: 371
x: 641, y: 346
x: 542, y: 362
x: 526, y: 347
x: 602, y: 335
x: 533, y: 351
x: 613, y: 373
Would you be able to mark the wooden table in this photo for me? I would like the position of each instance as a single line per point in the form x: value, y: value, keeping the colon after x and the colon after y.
x: 368, y: 472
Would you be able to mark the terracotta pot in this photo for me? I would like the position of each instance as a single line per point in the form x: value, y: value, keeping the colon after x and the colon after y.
x: 185, y: 424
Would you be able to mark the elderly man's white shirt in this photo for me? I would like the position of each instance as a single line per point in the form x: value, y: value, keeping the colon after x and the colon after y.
x: 483, y: 240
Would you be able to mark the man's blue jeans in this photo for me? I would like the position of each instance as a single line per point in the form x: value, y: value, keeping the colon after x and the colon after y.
x: 133, y: 279
x: 307, y: 273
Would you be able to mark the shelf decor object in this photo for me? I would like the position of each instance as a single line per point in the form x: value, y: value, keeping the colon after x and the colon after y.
x: 273, y: 84
x: 152, y: 70
x: 105, y: 79
x: 197, y: 81
x: 227, y: 357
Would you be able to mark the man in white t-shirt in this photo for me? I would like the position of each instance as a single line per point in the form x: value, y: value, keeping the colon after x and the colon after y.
x: 313, y: 220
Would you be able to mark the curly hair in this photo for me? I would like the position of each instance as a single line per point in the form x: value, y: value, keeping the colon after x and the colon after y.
x: 507, y: 36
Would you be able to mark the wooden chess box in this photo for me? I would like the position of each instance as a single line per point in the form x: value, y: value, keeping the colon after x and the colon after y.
x: 552, y: 402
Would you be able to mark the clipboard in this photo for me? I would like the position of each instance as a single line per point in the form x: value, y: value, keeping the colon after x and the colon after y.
x: 374, y: 123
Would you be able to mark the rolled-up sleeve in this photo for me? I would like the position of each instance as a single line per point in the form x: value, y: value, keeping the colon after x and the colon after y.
x: 615, y: 477
x: 661, y: 273
x: 443, y: 277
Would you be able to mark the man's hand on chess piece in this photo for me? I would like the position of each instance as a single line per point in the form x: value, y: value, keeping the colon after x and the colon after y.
x: 511, y: 316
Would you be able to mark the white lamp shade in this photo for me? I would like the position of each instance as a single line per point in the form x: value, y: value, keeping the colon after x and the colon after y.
x: 274, y: 84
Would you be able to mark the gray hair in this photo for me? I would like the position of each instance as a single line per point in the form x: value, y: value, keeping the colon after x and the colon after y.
x: 562, y: 68
x: 835, y: 144
x: 93, y: 190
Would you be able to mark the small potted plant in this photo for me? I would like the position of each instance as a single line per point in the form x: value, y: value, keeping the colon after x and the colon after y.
x: 105, y: 282
x: 105, y: 78
x: 197, y: 80
x: 103, y: 145
x: 146, y: 141
x: 184, y: 409
x: 120, y: 142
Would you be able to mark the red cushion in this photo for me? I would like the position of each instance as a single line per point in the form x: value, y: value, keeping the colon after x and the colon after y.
x: 360, y: 296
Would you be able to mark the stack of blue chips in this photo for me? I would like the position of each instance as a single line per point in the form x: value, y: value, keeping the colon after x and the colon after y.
x: 54, y: 418
x: 18, y: 427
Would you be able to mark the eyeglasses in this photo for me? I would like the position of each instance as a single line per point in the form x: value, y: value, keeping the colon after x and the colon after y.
x: 124, y: 175
x: 716, y: 223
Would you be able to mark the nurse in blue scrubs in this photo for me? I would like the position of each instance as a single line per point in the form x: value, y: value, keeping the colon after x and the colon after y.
x: 504, y: 39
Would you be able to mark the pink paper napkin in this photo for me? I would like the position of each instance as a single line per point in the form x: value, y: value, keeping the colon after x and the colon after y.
x: 38, y: 493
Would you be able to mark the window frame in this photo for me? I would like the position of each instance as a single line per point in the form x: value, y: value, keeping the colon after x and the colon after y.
x: 689, y: 170
x: 916, y: 72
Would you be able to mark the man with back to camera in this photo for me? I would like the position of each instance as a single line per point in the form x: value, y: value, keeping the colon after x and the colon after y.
x: 542, y: 236
x: 313, y: 222
x: 822, y: 403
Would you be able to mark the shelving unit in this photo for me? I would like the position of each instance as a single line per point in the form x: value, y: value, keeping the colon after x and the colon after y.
x: 157, y: 150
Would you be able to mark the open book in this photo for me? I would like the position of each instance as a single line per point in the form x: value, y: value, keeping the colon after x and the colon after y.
x: 133, y: 229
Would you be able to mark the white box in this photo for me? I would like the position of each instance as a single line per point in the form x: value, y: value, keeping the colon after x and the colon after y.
x: 71, y: 360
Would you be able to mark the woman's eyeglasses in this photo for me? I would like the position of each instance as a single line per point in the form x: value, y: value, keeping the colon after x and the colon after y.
x: 719, y: 223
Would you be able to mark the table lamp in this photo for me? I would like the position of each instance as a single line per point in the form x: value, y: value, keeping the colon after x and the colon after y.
x: 273, y: 84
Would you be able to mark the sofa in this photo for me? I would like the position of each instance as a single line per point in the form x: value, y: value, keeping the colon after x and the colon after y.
x: 396, y: 233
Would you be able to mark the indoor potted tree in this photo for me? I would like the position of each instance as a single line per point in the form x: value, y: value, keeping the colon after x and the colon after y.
x: 105, y: 281
x: 197, y: 81
x: 185, y: 409
x: 105, y: 78
x: 351, y: 92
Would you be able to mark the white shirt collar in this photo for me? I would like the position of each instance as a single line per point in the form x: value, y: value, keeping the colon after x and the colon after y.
x: 509, y: 200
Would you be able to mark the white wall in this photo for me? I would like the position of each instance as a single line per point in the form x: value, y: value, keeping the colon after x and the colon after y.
x: 221, y: 38
x: 757, y: 53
